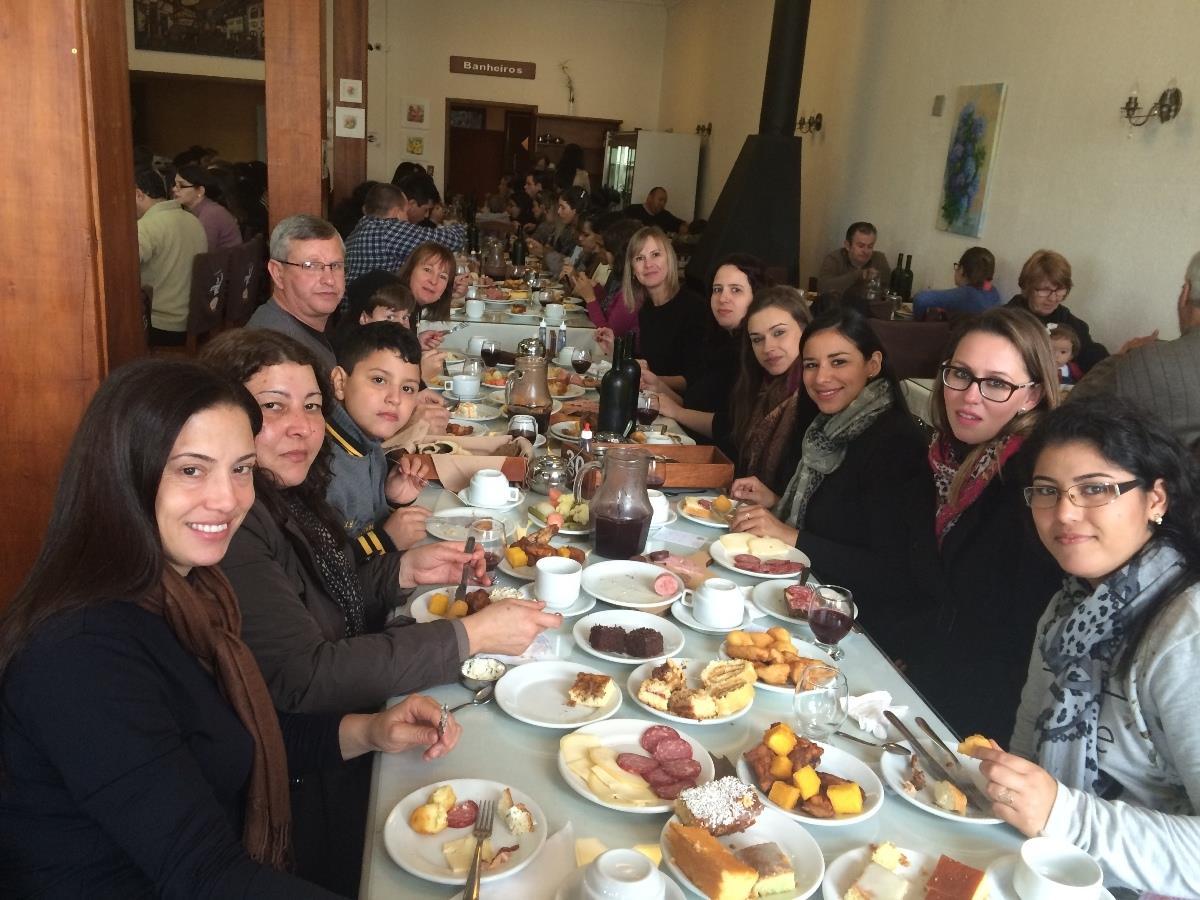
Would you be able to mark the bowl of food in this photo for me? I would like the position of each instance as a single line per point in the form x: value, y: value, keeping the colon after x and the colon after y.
x: 480, y: 671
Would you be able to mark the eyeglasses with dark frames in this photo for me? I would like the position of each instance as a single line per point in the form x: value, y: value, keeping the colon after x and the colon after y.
x: 312, y: 267
x: 1086, y: 495
x: 990, y: 388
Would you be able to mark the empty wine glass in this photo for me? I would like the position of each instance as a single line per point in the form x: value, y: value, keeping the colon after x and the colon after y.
x: 581, y: 359
x: 831, y: 615
x: 820, y: 701
x: 491, y: 536
x: 472, y: 366
x: 647, y: 407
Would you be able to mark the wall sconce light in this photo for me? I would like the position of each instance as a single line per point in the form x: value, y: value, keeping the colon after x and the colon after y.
x: 1165, y: 108
x: 811, y: 125
x: 705, y: 129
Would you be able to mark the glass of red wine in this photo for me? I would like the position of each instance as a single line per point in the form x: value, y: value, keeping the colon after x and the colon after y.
x: 524, y: 427
x: 491, y: 536
x: 647, y: 408
x: 488, y: 351
x: 831, y: 615
x: 581, y: 360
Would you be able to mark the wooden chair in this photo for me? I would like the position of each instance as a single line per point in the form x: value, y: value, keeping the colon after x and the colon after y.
x: 210, y: 289
x: 247, y: 280
x: 913, y: 349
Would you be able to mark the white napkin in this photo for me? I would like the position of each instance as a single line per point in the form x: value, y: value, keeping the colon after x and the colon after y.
x: 545, y: 646
x: 867, y: 712
x: 541, y: 879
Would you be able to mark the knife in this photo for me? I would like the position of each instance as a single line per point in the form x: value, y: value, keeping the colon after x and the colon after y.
x: 461, y: 593
x: 952, y: 758
x: 977, y: 797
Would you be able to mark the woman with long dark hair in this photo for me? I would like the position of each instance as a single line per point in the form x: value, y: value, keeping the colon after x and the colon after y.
x: 854, y: 454
x: 141, y: 751
x: 1106, y: 750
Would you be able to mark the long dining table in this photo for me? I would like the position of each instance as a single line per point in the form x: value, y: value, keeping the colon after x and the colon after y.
x: 495, y: 746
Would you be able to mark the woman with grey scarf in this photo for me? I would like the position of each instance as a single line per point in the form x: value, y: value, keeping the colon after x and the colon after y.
x: 1106, y: 750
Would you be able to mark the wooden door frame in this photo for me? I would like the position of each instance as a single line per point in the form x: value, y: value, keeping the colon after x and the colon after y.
x: 462, y: 101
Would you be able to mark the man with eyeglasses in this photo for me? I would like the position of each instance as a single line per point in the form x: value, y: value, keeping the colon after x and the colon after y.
x: 1162, y: 377
x: 307, y: 268
x: 169, y: 238
x: 1045, y: 282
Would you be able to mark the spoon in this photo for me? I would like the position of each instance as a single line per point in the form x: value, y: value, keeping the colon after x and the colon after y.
x: 481, y: 697
x: 889, y: 746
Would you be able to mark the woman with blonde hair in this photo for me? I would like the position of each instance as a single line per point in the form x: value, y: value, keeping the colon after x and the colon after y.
x: 1045, y: 284
x: 973, y: 556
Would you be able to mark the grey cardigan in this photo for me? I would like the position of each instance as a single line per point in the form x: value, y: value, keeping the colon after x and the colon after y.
x: 297, y: 633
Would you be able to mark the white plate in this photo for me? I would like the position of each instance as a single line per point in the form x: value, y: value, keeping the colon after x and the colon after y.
x: 528, y: 573
x: 803, y: 648
x: 572, y: 391
x: 418, y: 607
x: 452, y: 524
x: 623, y: 736
x: 577, y: 530
x: 627, y: 583
x: 895, y: 770
x: 558, y: 430
x: 694, y: 668
x: 572, y: 888
x: 1000, y: 880
x: 711, y: 523
x: 629, y: 619
x: 835, y: 762
x: 723, y: 557
x: 772, y: 827
x: 767, y: 597
x: 684, y: 614
x: 848, y: 868
x: 536, y: 693
x: 464, y: 497
x: 671, y: 518
x: 484, y: 412
x: 449, y: 394
x: 421, y: 854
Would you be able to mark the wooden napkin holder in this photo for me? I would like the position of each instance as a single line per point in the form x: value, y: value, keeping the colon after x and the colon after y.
x: 690, y: 466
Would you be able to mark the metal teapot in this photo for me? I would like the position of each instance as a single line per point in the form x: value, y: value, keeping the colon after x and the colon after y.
x: 548, y: 472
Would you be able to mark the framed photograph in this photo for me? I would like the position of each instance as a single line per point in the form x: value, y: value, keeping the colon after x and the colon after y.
x: 978, y: 109
x: 349, y: 122
x: 231, y: 28
x: 414, y: 144
x: 416, y: 112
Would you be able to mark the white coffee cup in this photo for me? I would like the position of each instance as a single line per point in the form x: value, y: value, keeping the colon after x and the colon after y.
x: 489, y: 487
x: 717, y: 603
x: 554, y: 313
x: 465, y: 387
x: 1052, y: 869
x: 475, y: 345
x: 622, y: 875
x: 557, y: 581
x: 565, y: 354
x: 474, y: 308
x: 661, y: 506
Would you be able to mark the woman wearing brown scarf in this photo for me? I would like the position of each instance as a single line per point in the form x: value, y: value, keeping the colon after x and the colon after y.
x: 141, y: 753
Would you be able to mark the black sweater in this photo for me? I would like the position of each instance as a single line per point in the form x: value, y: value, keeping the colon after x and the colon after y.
x: 125, y: 767
x: 986, y: 589
x: 849, y: 528
x: 671, y: 337
x: 1090, y: 351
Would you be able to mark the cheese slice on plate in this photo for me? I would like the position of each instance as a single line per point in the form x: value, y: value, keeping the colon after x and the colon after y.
x: 769, y: 548
x: 586, y: 850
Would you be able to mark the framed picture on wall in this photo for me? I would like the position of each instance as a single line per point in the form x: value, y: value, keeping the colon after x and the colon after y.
x: 232, y: 28
x: 978, y: 109
x: 414, y: 144
x: 416, y: 112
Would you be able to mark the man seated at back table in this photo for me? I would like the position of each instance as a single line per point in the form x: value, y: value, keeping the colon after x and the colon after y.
x: 654, y: 212
x: 856, y: 260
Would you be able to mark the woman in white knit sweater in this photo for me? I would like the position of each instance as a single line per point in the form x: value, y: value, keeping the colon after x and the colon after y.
x: 1106, y: 749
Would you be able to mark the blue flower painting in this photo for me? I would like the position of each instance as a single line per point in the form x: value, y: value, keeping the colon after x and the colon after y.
x: 969, y: 159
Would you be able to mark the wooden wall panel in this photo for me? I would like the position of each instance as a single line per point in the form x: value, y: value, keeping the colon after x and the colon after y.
x: 349, y: 61
x: 295, y: 87
x: 69, y: 307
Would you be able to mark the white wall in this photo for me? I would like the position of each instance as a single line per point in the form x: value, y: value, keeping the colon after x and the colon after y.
x: 1121, y: 205
x: 615, y: 51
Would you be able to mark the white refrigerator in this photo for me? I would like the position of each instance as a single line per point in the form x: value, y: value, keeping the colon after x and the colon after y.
x: 637, y: 161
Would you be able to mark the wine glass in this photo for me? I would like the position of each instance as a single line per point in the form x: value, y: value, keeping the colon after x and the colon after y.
x: 472, y: 366
x: 831, y: 615
x: 820, y: 701
x: 647, y: 407
x: 581, y: 359
x: 488, y: 351
x: 491, y: 536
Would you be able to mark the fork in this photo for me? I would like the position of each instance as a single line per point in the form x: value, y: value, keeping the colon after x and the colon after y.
x: 483, y: 831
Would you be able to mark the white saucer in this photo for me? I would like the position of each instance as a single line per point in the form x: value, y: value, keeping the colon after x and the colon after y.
x: 464, y: 496
x: 669, y: 520
x: 572, y: 888
x: 1000, y: 874
x: 583, y: 603
x: 684, y: 615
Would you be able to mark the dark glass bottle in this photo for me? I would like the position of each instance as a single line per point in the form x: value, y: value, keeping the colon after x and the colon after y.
x: 904, y: 281
x: 634, y: 373
x: 894, y: 281
x: 616, y: 412
x: 518, y: 251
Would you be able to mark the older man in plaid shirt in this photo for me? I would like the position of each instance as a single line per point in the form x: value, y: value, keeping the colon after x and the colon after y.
x: 389, y: 230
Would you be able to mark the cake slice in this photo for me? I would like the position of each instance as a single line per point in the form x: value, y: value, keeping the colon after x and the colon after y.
x: 716, y: 873
x: 952, y: 880
x: 720, y: 671
x: 644, y: 643
x: 949, y: 798
x: 607, y: 638
x: 672, y: 672
x: 517, y: 817
x: 688, y: 703
x: 655, y: 693
x: 877, y: 883
x: 732, y: 697
x: 774, y: 867
x: 720, y: 807
x: 591, y: 690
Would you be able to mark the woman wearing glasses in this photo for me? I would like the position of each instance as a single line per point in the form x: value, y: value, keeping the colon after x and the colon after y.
x: 1045, y: 283
x: 1106, y: 751
x: 972, y: 553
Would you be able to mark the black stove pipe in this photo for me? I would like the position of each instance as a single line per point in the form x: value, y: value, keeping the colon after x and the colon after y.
x: 785, y: 65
